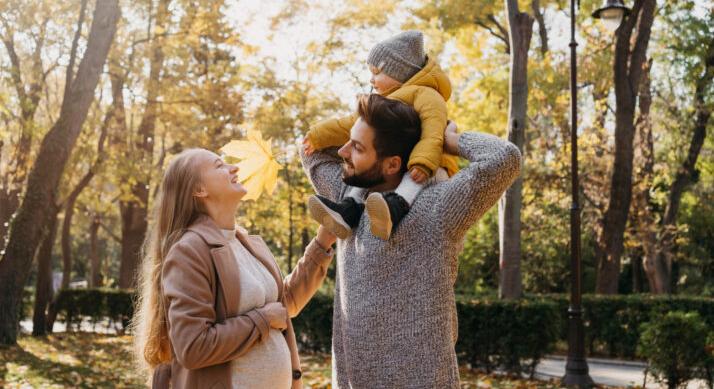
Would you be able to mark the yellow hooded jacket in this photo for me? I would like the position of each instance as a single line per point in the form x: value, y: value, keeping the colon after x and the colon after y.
x: 427, y: 91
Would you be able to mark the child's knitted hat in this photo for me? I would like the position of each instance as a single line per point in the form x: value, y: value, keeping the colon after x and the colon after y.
x: 400, y: 56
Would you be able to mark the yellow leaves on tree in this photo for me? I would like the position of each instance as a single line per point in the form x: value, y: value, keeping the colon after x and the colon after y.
x: 258, y: 169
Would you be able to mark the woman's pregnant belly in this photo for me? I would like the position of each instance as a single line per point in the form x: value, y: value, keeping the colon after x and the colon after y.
x: 266, y: 365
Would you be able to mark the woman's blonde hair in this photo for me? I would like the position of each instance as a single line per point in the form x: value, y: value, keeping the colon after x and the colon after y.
x: 175, y: 209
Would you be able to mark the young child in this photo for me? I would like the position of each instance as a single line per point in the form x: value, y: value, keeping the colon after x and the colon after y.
x: 400, y: 70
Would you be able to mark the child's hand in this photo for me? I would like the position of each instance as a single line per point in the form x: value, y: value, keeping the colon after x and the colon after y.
x: 417, y: 175
x: 451, y: 139
x: 308, y: 147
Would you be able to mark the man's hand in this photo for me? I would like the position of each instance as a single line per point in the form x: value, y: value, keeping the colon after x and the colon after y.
x: 308, y: 147
x: 276, y: 315
x: 417, y: 175
x: 451, y: 139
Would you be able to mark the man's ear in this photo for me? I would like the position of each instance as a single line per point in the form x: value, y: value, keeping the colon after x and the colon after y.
x: 392, y: 165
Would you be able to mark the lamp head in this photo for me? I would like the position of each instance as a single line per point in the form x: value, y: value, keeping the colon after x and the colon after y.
x: 612, y: 12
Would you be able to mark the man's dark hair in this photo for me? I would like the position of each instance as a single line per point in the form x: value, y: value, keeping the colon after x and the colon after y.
x: 397, y: 127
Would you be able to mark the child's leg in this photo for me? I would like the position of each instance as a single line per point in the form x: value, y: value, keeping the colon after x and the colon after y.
x: 386, y: 210
x: 356, y: 193
x: 339, y: 217
x: 409, y: 189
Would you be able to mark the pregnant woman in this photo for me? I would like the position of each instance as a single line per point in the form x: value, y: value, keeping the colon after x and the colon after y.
x: 214, y: 309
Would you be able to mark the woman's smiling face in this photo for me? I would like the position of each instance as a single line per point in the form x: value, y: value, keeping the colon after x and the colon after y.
x: 219, y: 180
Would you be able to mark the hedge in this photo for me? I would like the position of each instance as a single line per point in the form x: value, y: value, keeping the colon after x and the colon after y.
x: 96, y: 304
x: 612, y: 323
x: 512, y: 335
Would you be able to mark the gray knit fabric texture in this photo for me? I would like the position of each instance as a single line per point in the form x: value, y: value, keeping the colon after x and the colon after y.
x: 394, y: 319
x: 400, y: 56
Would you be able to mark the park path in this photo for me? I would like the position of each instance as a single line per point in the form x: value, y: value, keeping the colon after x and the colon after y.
x: 611, y: 372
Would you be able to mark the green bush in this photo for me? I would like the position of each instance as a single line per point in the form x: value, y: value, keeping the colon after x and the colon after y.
x: 675, y: 348
x: 313, y: 326
x: 510, y: 335
x: 119, y: 306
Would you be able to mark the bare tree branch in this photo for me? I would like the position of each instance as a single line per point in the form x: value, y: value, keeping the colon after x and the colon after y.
x: 542, y: 29
x: 73, y: 53
x: 501, y: 34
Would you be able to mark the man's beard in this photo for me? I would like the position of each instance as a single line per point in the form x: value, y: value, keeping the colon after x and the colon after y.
x: 367, y: 179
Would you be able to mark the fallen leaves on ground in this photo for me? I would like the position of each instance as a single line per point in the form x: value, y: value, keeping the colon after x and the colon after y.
x: 87, y: 360
x: 69, y: 361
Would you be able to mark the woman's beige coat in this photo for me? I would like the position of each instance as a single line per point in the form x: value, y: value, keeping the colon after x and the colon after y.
x: 200, y: 281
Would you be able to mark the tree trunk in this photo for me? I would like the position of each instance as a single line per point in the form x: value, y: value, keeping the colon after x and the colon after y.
x: 74, y: 195
x: 643, y: 221
x: 28, y: 227
x: 646, y: 225
x: 686, y: 173
x: 133, y: 218
x: 134, y: 213
x: 542, y: 28
x: 43, y: 289
x: 29, y: 97
x: 520, y: 32
x: 660, y: 257
x: 95, y: 279
x: 66, y: 245
x: 637, y: 279
x: 291, y: 226
x: 628, y: 68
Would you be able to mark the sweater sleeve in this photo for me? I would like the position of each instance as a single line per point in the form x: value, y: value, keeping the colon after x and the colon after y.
x: 324, y: 169
x: 302, y: 283
x: 495, y: 164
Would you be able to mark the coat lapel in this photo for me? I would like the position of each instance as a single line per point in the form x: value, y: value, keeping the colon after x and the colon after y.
x: 227, y: 270
x: 223, y: 260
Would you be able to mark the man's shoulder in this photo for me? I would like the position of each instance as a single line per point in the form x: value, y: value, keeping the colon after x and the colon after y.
x: 428, y: 197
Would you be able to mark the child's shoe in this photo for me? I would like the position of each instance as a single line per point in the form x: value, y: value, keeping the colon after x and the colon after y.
x: 385, y: 212
x: 340, y: 218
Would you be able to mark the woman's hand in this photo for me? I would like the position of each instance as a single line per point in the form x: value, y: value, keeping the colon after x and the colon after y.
x: 276, y: 315
x: 451, y: 139
x: 325, y: 238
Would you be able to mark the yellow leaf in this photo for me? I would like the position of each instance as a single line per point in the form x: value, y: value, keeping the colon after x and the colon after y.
x: 258, y: 169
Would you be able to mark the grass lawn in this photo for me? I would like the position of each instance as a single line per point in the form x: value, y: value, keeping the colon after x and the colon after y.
x: 87, y: 360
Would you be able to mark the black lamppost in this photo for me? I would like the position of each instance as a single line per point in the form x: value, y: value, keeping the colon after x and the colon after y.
x: 576, y: 369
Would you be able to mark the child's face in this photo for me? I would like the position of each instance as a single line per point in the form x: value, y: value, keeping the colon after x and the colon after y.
x: 380, y: 81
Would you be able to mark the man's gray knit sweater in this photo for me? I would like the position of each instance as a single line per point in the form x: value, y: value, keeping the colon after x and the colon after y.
x: 394, y: 322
